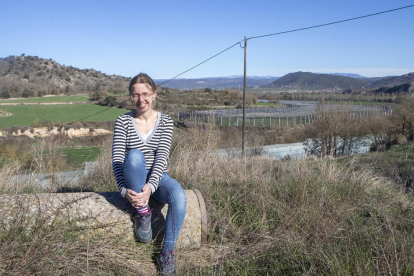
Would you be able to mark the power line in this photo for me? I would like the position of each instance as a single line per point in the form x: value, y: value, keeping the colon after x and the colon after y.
x: 279, y: 33
x: 90, y: 115
x: 331, y: 23
x: 200, y: 63
x: 285, y: 32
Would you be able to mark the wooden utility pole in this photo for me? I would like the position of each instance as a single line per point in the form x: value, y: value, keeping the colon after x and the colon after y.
x: 244, y: 103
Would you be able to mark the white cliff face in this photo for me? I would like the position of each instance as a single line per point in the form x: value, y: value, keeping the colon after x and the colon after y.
x: 45, y: 132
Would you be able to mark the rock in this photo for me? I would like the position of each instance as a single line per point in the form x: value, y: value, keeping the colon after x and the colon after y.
x: 106, y: 214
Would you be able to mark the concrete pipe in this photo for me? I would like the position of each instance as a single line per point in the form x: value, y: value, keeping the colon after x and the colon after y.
x: 106, y: 213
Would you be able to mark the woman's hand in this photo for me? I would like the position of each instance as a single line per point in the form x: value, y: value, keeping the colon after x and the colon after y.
x: 139, y: 199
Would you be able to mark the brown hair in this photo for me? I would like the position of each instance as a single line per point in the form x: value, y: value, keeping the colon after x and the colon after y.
x: 144, y: 79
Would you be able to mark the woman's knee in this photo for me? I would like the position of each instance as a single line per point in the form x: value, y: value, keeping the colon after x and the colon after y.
x: 135, y: 158
x: 179, y: 198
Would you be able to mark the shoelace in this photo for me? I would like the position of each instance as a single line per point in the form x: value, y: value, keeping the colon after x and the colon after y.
x: 142, y: 221
x: 169, y: 260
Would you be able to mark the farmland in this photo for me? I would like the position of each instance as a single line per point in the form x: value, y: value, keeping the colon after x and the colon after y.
x: 80, y: 155
x: 26, y: 115
x: 50, y: 99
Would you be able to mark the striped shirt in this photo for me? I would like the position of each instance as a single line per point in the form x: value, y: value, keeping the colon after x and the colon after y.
x: 156, y: 148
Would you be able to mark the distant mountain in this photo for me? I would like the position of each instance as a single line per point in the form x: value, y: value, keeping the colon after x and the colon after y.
x: 355, y: 76
x: 216, y: 82
x: 318, y: 81
x: 38, y: 76
x: 374, y: 79
x: 394, y: 81
x: 241, y: 76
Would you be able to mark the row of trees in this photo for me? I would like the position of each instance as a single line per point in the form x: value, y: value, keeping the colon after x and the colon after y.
x: 336, y: 132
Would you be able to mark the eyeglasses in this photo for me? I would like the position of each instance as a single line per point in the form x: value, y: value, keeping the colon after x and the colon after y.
x: 144, y: 96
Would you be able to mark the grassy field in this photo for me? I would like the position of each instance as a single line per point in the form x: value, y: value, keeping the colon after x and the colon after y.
x: 77, y: 156
x: 25, y: 115
x: 396, y: 163
x: 50, y: 99
x: 265, y: 217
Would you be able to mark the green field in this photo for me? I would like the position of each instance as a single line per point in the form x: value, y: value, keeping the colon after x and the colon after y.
x: 268, y: 104
x: 25, y: 115
x: 80, y: 155
x: 50, y: 99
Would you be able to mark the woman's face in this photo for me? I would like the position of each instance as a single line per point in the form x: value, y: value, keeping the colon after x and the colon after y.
x: 142, y: 97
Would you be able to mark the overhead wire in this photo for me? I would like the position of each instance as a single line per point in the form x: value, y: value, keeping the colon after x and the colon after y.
x: 331, y: 23
x: 285, y: 32
x: 266, y: 35
x: 201, y: 63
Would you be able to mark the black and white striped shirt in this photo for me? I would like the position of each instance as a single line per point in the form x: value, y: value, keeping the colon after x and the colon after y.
x: 156, y: 148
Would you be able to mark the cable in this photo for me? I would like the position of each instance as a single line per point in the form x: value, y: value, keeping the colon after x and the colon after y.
x: 332, y: 23
x: 285, y: 32
x: 200, y: 63
x: 89, y: 115
x: 260, y: 36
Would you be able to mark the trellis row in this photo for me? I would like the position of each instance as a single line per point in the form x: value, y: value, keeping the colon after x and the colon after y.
x: 234, y: 118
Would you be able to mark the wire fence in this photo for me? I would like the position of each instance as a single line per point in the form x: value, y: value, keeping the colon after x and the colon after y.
x: 300, y: 114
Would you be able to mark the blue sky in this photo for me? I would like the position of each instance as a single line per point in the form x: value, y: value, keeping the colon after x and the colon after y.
x: 165, y: 38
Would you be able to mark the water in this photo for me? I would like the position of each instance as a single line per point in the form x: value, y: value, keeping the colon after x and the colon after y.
x: 285, y: 151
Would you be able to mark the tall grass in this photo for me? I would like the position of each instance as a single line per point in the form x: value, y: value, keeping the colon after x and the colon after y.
x: 302, y: 217
x: 308, y: 217
x: 49, y: 243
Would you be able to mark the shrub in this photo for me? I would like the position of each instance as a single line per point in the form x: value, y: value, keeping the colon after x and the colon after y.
x: 25, y: 93
x: 404, y: 118
x: 110, y: 101
x: 5, y: 94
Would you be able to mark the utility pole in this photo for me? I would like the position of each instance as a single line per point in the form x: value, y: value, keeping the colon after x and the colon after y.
x: 244, y: 103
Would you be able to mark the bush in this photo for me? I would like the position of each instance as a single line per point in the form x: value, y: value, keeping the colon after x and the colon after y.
x: 44, y: 123
x: 25, y: 93
x: 110, y: 101
x: 404, y: 118
x: 334, y: 132
x: 5, y: 94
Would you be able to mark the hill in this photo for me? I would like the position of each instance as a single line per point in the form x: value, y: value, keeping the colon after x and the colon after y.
x: 216, y: 83
x: 33, y: 76
x: 356, y: 76
x: 318, y: 81
x: 394, y: 81
x: 403, y: 88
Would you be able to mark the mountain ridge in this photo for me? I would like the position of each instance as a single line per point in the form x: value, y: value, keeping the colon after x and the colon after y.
x: 318, y: 81
x: 33, y: 76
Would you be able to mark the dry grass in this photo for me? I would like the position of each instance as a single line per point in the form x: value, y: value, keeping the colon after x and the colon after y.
x: 298, y: 217
x: 50, y: 244
x: 312, y: 217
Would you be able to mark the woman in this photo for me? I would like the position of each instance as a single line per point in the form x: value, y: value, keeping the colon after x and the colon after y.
x: 140, y: 151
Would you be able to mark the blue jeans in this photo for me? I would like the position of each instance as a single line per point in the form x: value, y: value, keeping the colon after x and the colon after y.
x: 169, y: 191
